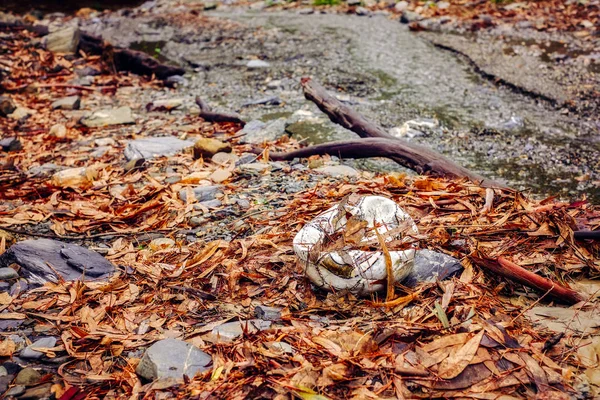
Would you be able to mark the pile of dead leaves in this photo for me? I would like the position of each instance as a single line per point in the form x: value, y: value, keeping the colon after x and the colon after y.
x: 465, y: 337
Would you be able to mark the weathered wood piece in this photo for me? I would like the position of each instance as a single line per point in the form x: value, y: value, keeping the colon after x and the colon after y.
x: 208, y: 115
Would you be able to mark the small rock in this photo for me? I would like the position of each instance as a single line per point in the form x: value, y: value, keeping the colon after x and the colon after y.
x: 28, y: 377
x: 172, y: 358
x: 67, y: 103
x: 353, y: 2
x: 274, y: 84
x: 18, y: 287
x: 176, y: 80
x: 208, y: 147
x: 442, y: 5
x: 410, y: 16
x: 258, y: 132
x: 8, y: 274
x: 256, y: 64
x: 243, y: 203
x: 41, y: 392
x: 31, y: 352
x: 59, y: 131
x: 431, y: 266
x: 4, y: 286
x: 11, y: 144
x: 224, y: 158
x: 361, y: 11
x: 15, y: 391
x: 43, y: 170
x: 401, y: 6
x: 7, y: 106
x: 306, y: 11
x: 210, y: 6
x: 220, y: 175
x: 254, y: 167
x: 208, y: 204
x: 99, y: 152
x: 164, y: 105
x: 12, y: 368
x: 116, y: 116
x: 21, y: 113
x: 337, y: 170
x: 87, y: 71
x: 268, y: 313
x: 70, y: 261
x: 270, y: 101
x: 155, y: 147
x: 587, y: 24
x: 232, y: 330
x: 64, y: 40
x: 202, y: 193
x: 281, y: 347
x: 105, y: 142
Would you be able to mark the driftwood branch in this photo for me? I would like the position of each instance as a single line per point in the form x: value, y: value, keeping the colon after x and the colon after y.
x: 127, y: 60
x: 512, y: 271
x: 207, y: 114
x: 19, y: 25
x: 376, y: 142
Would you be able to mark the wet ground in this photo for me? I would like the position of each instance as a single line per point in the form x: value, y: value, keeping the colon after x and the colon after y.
x: 386, y: 72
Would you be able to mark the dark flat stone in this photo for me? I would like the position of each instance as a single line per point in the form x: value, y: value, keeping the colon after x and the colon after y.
x: 71, y: 262
x: 431, y: 266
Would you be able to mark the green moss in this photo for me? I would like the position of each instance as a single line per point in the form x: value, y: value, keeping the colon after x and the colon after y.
x: 326, y: 2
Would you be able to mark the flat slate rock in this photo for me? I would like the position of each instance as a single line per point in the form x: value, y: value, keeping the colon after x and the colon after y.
x: 155, y: 147
x: 257, y: 132
x: 31, y: 350
x: 70, y: 261
x: 172, y: 358
x: 116, y: 116
x: 431, y: 266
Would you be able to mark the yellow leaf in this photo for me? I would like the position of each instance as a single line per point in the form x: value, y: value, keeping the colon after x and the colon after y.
x: 452, y: 366
x: 216, y: 373
x: 308, y: 394
x: 5, y: 298
x: 7, y: 348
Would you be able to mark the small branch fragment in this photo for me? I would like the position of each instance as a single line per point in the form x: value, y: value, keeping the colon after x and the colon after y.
x: 508, y: 269
x: 208, y: 115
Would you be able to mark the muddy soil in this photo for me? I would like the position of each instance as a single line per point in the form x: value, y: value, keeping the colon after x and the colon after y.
x: 386, y: 72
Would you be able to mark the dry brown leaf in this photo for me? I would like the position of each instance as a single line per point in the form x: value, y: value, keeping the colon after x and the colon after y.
x: 455, y: 364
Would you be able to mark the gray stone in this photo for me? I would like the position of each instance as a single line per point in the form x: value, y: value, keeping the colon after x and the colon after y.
x: 4, y: 286
x: 155, y: 147
x: 8, y: 274
x: 43, y: 170
x: 31, y: 352
x: 41, y: 392
x: 176, y: 80
x: 337, y: 170
x: 255, y: 64
x: 172, y: 358
x: 70, y: 261
x: 254, y: 167
x: 18, y: 287
x: 67, y: 103
x: 202, y: 193
x: 258, y: 132
x: 87, y: 71
x: 267, y: 313
x: 28, y: 377
x: 431, y: 266
x: 442, y: 5
x: 401, y: 6
x: 15, y: 391
x: 362, y: 11
x: 282, y: 347
x: 115, y: 116
x: 232, y: 330
x: 7, y: 106
x: 353, y: 2
x: 64, y: 40
x: 212, y: 203
x: 269, y: 101
x: 11, y: 144
x: 164, y: 104
x: 410, y: 16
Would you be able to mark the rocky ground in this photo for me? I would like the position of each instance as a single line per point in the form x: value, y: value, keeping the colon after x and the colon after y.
x: 204, y: 298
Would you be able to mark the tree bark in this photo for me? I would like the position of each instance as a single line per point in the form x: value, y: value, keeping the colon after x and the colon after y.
x: 376, y: 142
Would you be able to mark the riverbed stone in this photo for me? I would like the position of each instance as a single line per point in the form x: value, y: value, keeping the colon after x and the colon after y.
x: 258, y: 132
x: 28, y: 377
x: 41, y: 392
x: 70, y: 261
x: 115, y: 116
x: 267, y: 313
x: 11, y: 144
x: 256, y: 64
x: 67, y: 103
x: 231, y: 330
x: 31, y: 352
x: 337, y: 171
x: 172, y: 358
x: 208, y: 147
x: 15, y: 391
x: 63, y: 40
x: 155, y: 147
x: 431, y: 266
x: 7, y: 274
x: 7, y: 106
x: 201, y: 193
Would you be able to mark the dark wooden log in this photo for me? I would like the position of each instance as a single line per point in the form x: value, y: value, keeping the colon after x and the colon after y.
x: 512, y: 271
x: 127, y: 60
x: 207, y: 114
x: 19, y: 25
x: 586, y: 235
x: 376, y: 143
